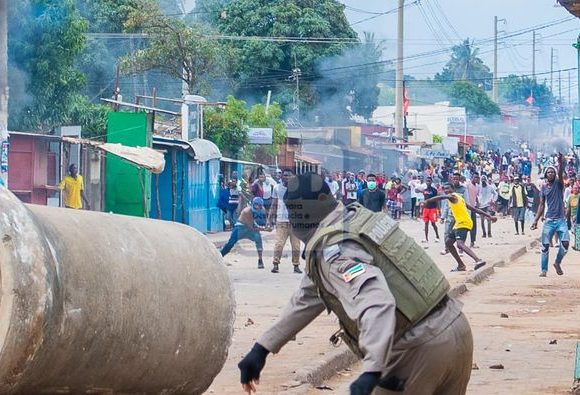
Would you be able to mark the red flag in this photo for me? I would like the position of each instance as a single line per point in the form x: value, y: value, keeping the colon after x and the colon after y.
x: 530, y: 100
x: 406, y: 101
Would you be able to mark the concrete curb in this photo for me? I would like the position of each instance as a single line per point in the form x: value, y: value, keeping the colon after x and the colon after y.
x: 332, y: 364
x: 343, y: 359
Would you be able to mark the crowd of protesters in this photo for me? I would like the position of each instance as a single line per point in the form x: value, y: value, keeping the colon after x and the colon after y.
x: 484, y: 183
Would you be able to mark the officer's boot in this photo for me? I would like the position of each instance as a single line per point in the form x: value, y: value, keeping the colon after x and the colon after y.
x: 260, y: 264
x: 275, y: 269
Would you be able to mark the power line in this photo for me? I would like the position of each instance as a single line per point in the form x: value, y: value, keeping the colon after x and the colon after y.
x: 394, y: 10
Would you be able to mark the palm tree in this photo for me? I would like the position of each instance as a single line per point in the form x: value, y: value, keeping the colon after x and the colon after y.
x: 465, y: 65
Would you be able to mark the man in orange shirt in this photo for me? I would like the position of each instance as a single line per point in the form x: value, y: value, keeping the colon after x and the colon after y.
x: 74, y: 189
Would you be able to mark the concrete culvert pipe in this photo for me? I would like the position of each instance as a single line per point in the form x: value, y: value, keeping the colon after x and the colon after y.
x: 101, y: 303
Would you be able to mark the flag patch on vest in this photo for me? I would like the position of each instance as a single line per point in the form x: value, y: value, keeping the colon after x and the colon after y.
x: 353, y: 272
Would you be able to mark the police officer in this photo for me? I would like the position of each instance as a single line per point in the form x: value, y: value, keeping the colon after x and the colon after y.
x: 400, y: 327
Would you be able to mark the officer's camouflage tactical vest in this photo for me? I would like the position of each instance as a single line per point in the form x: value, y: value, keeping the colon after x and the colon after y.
x: 414, y: 279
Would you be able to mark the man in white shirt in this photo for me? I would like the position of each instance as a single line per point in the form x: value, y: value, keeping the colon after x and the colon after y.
x: 283, y: 228
x: 487, y: 197
x: 414, y: 184
x: 268, y: 187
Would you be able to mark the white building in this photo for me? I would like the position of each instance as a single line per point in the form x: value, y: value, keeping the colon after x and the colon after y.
x: 436, y: 119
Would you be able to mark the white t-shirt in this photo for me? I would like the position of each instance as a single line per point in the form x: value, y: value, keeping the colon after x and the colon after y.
x: 282, y: 211
x: 333, y: 185
x: 421, y: 187
x: 269, y: 185
x: 414, y: 184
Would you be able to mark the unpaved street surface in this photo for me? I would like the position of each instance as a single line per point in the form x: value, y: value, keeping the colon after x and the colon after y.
x: 261, y: 296
x: 539, y: 311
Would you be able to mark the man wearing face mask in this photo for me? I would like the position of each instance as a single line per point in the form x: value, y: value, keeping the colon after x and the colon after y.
x: 389, y: 296
x: 372, y: 197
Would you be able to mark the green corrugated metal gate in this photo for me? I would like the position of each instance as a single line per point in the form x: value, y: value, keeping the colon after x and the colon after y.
x: 128, y: 189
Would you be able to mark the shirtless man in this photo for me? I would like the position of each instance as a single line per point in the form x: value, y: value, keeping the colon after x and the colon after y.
x: 251, y: 221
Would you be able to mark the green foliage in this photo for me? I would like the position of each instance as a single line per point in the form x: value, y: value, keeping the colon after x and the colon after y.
x: 473, y: 98
x: 437, y: 139
x: 258, y: 118
x: 91, y: 117
x: 176, y: 49
x: 516, y: 90
x: 265, y: 65
x: 51, y: 34
x: 227, y: 127
x: 465, y: 65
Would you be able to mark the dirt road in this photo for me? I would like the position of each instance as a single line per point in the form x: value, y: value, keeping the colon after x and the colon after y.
x: 261, y: 295
x: 540, y: 311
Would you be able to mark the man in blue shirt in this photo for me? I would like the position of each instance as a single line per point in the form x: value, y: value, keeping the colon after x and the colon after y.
x: 552, y: 196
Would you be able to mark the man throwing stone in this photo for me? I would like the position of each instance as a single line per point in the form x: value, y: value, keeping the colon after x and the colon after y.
x: 552, y: 196
x: 462, y: 226
x: 391, y: 302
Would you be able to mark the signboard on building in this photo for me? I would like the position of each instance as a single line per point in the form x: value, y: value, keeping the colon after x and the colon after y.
x: 260, y: 135
x: 433, y: 153
x: 576, y: 132
x: 456, y: 124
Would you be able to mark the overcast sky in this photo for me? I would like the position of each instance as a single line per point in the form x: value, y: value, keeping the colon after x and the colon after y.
x: 474, y: 19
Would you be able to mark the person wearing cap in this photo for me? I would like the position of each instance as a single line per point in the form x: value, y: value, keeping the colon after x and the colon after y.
x: 552, y: 202
x: 251, y: 221
x: 518, y: 202
x: 347, y: 274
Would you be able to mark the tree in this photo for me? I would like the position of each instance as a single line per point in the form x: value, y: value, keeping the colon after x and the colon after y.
x: 266, y: 64
x: 517, y: 90
x: 465, y: 65
x: 49, y: 35
x: 176, y: 49
x: 259, y: 118
x: 473, y: 98
x: 227, y: 127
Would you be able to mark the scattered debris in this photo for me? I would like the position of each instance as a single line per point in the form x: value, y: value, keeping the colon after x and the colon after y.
x: 540, y: 301
x: 554, y: 341
x: 324, y: 388
x: 474, y: 366
x: 249, y: 322
x: 496, y: 366
x: 504, y: 315
x: 292, y: 384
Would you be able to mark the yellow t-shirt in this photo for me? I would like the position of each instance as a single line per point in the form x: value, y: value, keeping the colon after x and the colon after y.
x: 72, y: 188
x: 518, y: 195
x: 460, y: 213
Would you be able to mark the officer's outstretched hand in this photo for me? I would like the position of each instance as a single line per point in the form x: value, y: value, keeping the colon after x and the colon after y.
x: 251, y: 366
x: 365, y: 384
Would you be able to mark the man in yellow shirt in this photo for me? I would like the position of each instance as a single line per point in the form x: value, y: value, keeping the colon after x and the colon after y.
x: 463, y: 224
x: 74, y: 189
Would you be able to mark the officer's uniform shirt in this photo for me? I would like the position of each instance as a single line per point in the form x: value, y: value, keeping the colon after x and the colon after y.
x: 366, y: 299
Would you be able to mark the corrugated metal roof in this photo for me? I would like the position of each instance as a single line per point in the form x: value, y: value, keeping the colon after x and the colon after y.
x: 201, y: 150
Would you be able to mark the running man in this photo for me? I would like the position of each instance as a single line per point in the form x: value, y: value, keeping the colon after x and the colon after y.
x: 552, y: 196
x: 462, y: 226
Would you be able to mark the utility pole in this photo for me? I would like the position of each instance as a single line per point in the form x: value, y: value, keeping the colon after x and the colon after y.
x: 399, y: 94
x: 552, y: 70
x: 560, y: 86
x: 534, y: 55
x: 494, y: 92
x: 569, y: 90
x: 4, y: 90
x: 296, y: 73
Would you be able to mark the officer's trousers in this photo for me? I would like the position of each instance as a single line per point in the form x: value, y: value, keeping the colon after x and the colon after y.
x: 441, y: 366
